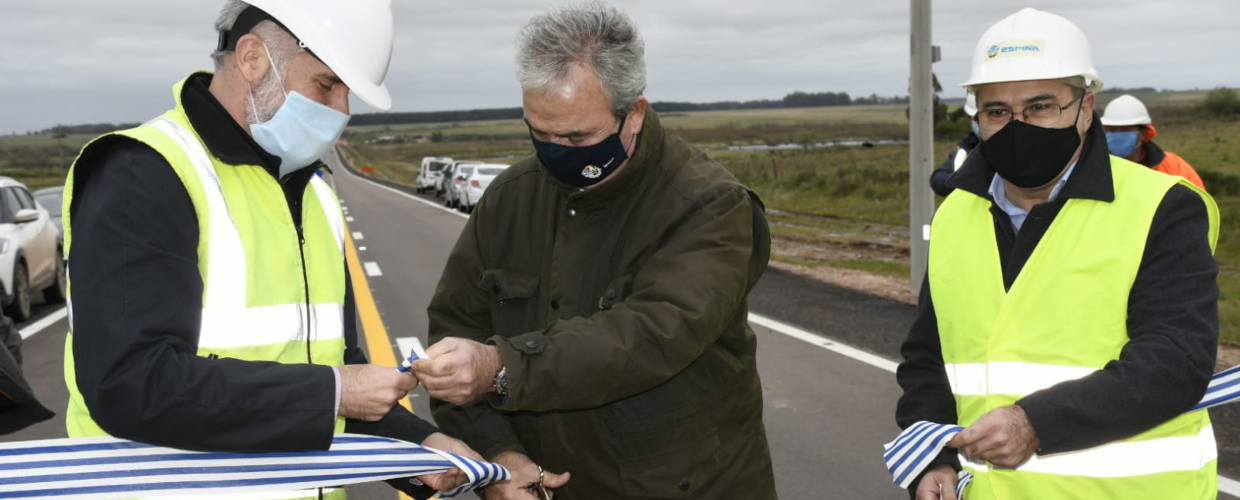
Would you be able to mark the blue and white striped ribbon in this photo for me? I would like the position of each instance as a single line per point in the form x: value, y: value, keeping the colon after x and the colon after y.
x: 914, y: 449
x: 109, y: 468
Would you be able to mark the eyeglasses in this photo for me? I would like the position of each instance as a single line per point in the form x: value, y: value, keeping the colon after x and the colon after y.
x: 1041, y: 114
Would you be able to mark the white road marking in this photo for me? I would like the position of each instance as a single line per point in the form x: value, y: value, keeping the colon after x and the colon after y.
x: 372, y: 269
x: 348, y: 219
x: 1225, y: 485
x: 1229, y: 486
x: 47, y: 321
x: 361, y: 249
x: 357, y: 236
x: 823, y: 342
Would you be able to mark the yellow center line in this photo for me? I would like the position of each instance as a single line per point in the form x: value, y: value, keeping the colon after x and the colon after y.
x: 378, y: 344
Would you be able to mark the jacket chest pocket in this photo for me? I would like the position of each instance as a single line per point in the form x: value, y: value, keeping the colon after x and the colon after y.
x: 514, y: 300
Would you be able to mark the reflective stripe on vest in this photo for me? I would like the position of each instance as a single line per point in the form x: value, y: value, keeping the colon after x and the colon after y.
x: 226, y: 321
x: 1063, y: 318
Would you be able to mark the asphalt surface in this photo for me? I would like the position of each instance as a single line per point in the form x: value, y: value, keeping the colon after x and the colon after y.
x: 827, y: 414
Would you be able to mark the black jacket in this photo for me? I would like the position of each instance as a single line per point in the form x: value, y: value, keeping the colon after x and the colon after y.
x: 137, y: 301
x: 938, y: 180
x: 1172, y: 321
x: 18, y: 407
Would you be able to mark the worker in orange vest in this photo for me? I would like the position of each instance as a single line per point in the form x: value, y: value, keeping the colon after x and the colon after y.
x: 1130, y: 134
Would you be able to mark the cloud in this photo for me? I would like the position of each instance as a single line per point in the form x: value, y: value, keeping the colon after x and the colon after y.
x: 77, y: 61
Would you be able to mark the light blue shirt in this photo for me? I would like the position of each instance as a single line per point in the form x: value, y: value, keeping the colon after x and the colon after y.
x: 999, y: 192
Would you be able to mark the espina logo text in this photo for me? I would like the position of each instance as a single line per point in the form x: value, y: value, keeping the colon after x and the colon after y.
x: 1015, y: 48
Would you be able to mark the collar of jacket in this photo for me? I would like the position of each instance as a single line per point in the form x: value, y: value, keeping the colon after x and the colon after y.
x: 1154, y: 155
x: 222, y: 135
x: 1090, y: 180
x: 646, y: 156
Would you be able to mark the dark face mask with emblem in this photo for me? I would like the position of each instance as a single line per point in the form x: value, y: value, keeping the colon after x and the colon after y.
x: 583, y: 166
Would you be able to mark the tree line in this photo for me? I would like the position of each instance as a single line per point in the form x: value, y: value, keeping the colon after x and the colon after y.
x: 793, y: 100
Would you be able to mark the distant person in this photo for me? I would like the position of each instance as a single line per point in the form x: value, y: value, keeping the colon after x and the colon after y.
x: 18, y: 407
x: 592, y: 318
x: 1130, y: 135
x: 938, y: 180
x: 1069, y: 315
x: 211, y: 305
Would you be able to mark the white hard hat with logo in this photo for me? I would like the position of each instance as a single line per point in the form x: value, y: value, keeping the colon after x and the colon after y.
x: 970, y: 105
x: 1032, y: 45
x: 352, y: 38
x: 1126, y: 110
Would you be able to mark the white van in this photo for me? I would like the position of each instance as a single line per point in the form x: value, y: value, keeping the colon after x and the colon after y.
x: 432, y: 172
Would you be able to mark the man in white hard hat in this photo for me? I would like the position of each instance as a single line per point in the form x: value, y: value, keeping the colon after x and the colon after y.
x: 211, y: 307
x: 1069, y: 317
x: 1130, y: 134
x: 938, y: 180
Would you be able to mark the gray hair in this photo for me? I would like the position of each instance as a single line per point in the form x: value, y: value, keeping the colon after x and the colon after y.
x: 280, y: 44
x: 593, y: 34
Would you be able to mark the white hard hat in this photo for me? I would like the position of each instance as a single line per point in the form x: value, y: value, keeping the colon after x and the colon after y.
x: 352, y: 38
x: 970, y: 105
x: 1032, y: 45
x: 1126, y: 110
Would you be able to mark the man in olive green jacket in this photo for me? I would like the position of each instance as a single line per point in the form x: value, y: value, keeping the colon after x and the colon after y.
x: 593, y: 315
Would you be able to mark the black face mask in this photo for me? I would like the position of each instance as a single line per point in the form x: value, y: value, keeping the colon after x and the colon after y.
x: 1030, y: 156
x: 583, y: 166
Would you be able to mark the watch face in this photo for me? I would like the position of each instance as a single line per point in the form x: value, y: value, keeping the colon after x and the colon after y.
x: 501, y: 382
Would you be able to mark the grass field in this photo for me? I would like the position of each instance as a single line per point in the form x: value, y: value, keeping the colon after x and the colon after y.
x: 841, y: 207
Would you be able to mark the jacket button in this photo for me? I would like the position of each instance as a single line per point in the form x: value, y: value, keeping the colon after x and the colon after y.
x: 572, y: 212
x: 555, y: 304
x: 532, y: 344
x: 684, y: 485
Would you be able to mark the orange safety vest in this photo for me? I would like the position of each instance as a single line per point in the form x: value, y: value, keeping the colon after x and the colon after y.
x: 1174, y: 165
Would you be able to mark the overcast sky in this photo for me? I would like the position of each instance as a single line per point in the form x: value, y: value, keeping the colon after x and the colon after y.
x: 80, y: 61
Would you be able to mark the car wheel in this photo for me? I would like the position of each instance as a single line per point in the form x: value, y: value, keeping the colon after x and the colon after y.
x: 55, y: 293
x: 19, y: 310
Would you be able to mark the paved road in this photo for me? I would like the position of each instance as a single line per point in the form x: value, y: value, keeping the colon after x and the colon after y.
x: 827, y: 414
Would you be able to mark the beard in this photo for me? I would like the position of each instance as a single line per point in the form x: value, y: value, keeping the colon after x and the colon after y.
x: 264, y: 101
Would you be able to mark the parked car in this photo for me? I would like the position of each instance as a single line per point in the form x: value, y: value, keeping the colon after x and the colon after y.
x: 453, y: 195
x: 31, y: 254
x: 448, y: 174
x: 52, y: 199
x: 476, y: 185
x: 431, y: 173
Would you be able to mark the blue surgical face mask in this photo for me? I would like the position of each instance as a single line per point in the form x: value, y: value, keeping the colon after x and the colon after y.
x: 301, y: 130
x: 1122, y: 144
x: 583, y: 166
x: 976, y: 129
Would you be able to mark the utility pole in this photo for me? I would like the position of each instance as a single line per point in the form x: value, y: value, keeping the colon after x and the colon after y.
x: 920, y: 140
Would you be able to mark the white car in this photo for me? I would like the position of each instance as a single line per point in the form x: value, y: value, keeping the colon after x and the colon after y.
x: 477, y: 183
x: 31, y: 255
x: 431, y: 173
x: 456, y: 185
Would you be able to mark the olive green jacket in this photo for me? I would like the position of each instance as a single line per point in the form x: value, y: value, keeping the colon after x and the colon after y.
x: 621, y: 316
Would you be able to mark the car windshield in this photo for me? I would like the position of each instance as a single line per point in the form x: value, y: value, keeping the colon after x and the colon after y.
x: 436, y: 166
x: 51, y: 202
x: 465, y: 171
x: 490, y: 171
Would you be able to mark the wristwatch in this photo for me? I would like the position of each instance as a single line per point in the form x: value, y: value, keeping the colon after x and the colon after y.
x: 500, y: 384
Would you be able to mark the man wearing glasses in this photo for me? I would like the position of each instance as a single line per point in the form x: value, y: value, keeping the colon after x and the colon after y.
x: 1074, y: 314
